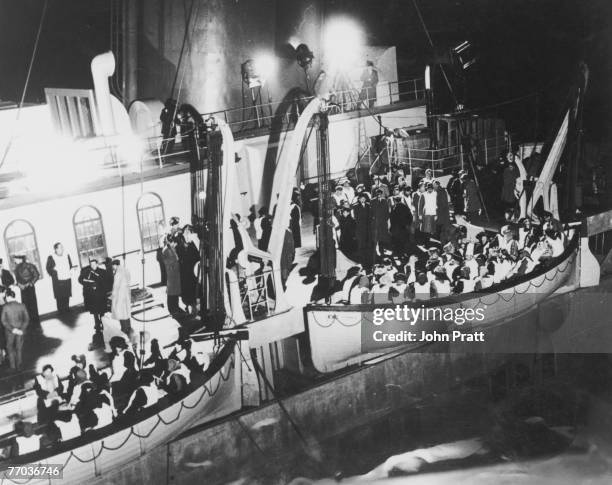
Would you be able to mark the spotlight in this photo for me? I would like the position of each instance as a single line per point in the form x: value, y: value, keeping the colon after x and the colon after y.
x: 265, y: 66
x: 343, y: 42
x: 256, y: 71
x: 304, y: 56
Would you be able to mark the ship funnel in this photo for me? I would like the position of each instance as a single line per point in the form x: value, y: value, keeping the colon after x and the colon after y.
x: 102, y: 67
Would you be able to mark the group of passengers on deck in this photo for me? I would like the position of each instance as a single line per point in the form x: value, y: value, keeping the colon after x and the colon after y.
x: 90, y: 398
x: 409, y: 246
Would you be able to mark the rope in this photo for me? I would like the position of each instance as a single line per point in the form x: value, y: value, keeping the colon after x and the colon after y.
x: 27, y: 80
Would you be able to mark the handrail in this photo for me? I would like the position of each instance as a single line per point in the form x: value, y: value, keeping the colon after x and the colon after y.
x: 414, y: 89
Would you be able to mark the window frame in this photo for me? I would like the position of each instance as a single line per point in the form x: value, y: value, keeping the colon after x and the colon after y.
x: 74, y: 228
x: 7, y: 246
x: 138, y: 211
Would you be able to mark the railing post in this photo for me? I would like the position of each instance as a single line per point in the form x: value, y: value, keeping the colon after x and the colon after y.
x: 486, y: 150
x: 390, y: 95
x: 461, y: 154
x: 415, y: 89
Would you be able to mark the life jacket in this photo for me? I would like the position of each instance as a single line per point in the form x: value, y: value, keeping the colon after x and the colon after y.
x: 104, y: 415
x: 42, y: 382
x: 443, y: 288
x: 356, y: 295
x: 401, y: 289
x: 422, y: 292
x: 151, y: 395
x: 28, y: 444
x: 117, y: 366
x: 109, y: 396
x: 380, y: 294
x: 70, y: 429
x: 181, y: 371
x: 468, y: 285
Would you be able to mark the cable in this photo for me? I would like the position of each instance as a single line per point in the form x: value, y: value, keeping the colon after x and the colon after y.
x: 27, y: 80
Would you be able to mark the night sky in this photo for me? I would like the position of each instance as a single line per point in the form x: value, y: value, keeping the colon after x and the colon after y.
x: 523, y: 47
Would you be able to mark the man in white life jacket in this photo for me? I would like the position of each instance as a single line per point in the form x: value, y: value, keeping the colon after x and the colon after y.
x: 49, y: 389
x: 147, y: 394
x: 422, y: 287
x: 68, y: 425
x: 177, y: 377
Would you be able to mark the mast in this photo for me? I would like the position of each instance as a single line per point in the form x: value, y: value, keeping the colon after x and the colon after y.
x: 575, y: 152
x: 327, y: 249
x: 213, y: 272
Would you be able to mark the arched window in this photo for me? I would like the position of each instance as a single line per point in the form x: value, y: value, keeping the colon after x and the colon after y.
x: 89, y: 233
x: 20, y: 239
x: 150, y: 220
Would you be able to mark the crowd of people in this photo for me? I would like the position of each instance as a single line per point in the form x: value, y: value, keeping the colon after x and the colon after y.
x: 90, y: 398
x: 409, y: 246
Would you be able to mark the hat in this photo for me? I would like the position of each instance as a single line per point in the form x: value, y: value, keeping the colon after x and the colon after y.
x: 173, y: 365
x: 19, y: 256
x: 386, y: 279
x: 432, y: 249
x: 28, y: 429
x: 174, y: 221
x: 360, y: 186
x: 79, y: 359
x: 505, y: 229
x: 338, y: 187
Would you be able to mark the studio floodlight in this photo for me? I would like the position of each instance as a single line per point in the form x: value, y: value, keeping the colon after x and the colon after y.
x: 304, y: 56
x: 343, y: 42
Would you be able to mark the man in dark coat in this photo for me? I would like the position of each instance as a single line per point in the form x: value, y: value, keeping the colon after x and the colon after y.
x: 470, y: 197
x: 6, y: 277
x: 400, y: 222
x: 443, y: 213
x: 93, y: 278
x: 455, y: 190
x: 189, y: 254
x: 362, y: 231
x: 295, y: 222
x: 347, y: 242
x: 27, y: 275
x: 379, y: 217
x: 173, y: 272
x: 266, y: 231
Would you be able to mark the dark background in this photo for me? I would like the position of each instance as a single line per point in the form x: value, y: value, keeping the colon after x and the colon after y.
x: 523, y: 47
